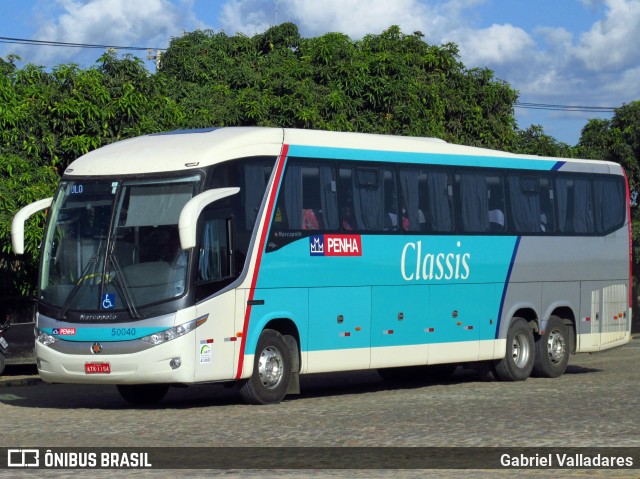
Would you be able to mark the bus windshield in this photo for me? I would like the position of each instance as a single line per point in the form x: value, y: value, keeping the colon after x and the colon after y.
x: 114, y: 245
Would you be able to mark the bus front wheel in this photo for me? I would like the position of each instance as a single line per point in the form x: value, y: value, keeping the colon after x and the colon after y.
x: 271, y: 375
x: 552, y: 350
x: 518, y: 362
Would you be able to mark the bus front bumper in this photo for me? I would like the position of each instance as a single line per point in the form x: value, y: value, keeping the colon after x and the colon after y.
x: 171, y: 362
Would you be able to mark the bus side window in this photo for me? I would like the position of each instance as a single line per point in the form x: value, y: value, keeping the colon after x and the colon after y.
x: 574, y: 202
x: 413, y: 186
x: 531, y: 204
x: 495, y: 198
x: 440, y: 214
x: 213, y: 261
x: 427, y: 198
x: 256, y: 177
x: 474, y: 202
x: 369, y: 199
x: 349, y: 220
x: 308, y: 199
x: 610, y: 205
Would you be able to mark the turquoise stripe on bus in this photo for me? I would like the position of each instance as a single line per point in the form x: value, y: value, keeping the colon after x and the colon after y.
x: 444, y: 289
x: 109, y: 334
x: 423, y: 158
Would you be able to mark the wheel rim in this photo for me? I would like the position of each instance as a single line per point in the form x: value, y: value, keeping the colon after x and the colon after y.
x: 270, y: 367
x: 520, y: 350
x: 556, y: 346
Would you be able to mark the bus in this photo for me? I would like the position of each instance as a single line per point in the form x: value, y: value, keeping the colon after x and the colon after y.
x: 251, y: 256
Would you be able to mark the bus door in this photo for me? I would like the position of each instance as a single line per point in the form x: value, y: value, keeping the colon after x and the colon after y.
x: 216, y: 340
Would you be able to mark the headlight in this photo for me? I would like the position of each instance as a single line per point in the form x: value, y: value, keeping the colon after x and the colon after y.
x: 173, y: 333
x: 44, y: 338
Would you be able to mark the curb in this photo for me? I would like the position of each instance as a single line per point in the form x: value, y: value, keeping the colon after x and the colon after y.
x: 30, y: 381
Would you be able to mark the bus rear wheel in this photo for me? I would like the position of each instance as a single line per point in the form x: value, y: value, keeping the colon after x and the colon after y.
x: 518, y: 362
x: 271, y: 375
x: 143, y: 394
x: 552, y: 350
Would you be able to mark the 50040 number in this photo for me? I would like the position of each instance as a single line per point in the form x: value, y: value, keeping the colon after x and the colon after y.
x: 123, y: 331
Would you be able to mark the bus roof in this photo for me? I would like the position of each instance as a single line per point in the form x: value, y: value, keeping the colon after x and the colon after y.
x: 188, y: 149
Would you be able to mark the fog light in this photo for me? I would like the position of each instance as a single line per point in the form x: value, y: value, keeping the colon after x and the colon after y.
x: 175, y: 363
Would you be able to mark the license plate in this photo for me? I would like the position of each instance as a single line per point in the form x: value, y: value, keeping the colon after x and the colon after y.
x: 4, y: 343
x: 97, y: 368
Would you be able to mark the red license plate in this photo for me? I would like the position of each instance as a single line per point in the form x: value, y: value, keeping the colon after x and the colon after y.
x: 97, y: 368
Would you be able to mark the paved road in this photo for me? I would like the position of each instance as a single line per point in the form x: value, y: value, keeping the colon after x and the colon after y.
x: 595, y: 403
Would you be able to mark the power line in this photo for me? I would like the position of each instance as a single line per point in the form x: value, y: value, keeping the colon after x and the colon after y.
x: 49, y: 43
x: 553, y: 107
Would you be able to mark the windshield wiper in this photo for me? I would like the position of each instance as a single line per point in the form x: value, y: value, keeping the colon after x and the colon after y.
x: 74, y: 292
x: 121, y: 284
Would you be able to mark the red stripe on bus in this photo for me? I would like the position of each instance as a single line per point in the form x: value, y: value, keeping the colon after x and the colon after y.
x: 263, y: 239
x: 630, y: 287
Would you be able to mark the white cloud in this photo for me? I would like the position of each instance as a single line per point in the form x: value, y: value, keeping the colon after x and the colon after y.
x: 355, y: 18
x: 140, y: 23
x: 612, y: 43
x: 496, y: 45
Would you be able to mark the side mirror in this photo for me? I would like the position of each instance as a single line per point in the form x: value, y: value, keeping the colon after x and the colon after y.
x: 17, y: 224
x: 191, y: 211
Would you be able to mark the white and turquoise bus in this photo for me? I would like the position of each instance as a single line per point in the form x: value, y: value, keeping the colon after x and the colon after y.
x: 256, y: 255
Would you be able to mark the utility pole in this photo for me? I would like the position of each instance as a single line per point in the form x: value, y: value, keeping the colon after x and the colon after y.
x: 156, y: 57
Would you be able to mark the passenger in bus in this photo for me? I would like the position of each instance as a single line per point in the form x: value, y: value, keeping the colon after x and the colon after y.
x: 348, y: 221
x: 496, y: 219
x: 393, y: 221
x: 309, y: 220
x: 543, y: 222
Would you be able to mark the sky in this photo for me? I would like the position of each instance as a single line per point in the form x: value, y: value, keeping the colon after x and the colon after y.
x: 553, y: 52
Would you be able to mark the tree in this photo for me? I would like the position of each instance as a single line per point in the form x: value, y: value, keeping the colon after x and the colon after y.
x: 47, y: 120
x: 21, y: 182
x: 390, y: 83
x: 534, y: 141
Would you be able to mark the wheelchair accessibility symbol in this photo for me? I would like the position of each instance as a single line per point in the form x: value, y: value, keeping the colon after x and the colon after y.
x: 108, y: 301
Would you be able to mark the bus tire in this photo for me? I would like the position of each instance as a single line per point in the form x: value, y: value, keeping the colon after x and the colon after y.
x: 143, y: 394
x: 518, y: 361
x: 271, y: 375
x: 552, y: 350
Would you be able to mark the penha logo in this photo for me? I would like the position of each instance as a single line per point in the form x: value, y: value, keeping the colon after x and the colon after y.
x: 335, y: 245
x: 64, y: 331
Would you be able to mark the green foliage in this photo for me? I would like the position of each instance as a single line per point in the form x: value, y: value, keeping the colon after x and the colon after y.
x: 48, y: 119
x: 616, y: 140
x: 21, y: 182
x: 390, y: 83
x: 534, y: 141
